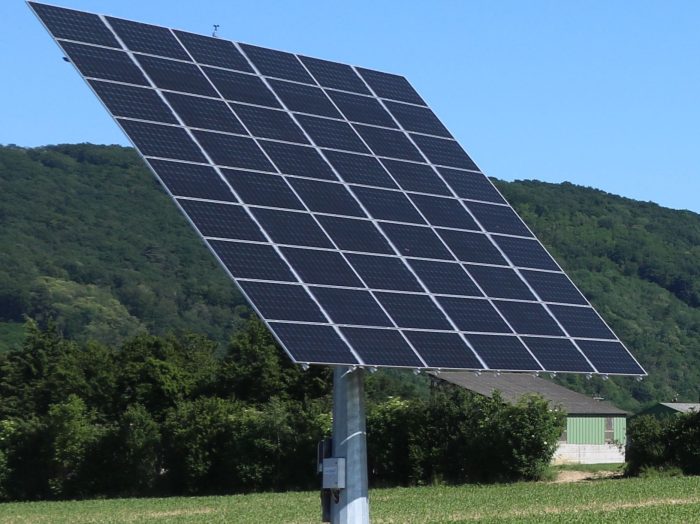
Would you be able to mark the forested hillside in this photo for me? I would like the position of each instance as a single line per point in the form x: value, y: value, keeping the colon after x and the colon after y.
x: 88, y: 239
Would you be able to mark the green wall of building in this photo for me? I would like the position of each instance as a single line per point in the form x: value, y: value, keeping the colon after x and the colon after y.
x: 591, y: 430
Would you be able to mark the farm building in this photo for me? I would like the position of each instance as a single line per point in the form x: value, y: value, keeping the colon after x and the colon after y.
x: 663, y: 409
x: 595, y: 430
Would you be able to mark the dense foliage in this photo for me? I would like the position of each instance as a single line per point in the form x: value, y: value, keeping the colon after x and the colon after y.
x: 667, y: 444
x: 162, y: 415
x: 89, y: 240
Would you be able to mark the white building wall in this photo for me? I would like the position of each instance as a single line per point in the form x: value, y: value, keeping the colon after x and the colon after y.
x: 588, y: 454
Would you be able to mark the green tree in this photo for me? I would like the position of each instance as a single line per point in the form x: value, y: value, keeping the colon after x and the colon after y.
x: 74, y: 439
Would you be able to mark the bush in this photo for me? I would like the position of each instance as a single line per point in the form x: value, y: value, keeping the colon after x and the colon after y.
x: 669, y: 444
x: 460, y: 437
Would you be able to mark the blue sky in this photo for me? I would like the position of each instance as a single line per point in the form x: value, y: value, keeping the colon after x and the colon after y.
x: 602, y: 94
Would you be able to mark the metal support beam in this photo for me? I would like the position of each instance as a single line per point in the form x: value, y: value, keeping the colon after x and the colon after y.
x: 350, y: 442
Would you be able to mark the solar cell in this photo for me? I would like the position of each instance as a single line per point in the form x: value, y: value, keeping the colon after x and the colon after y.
x: 269, y: 123
x: 413, y: 311
x: 558, y: 354
x: 278, y: 64
x: 332, y: 133
x: 133, y: 102
x: 327, y: 197
x: 388, y: 205
x: 443, y: 350
x: 162, y: 141
x: 262, y: 189
x: 416, y: 177
x: 351, y: 306
x: 145, y: 38
x: 313, y: 343
x: 358, y: 108
x: 304, y: 99
x: 472, y: 186
x: 498, y: 219
x: 412, y: 241
x: 525, y: 253
x: 233, y: 151
x: 286, y: 227
x: 503, y: 353
x: 75, y: 25
x: 359, y: 169
x: 291, y: 159
x: 335, y: 75
x: 205, y: 113
x: 500, y: 282
x: 446, y: 212
x: 528, y: 318
x: 445, y: 277
x: 256, y: 261
x: 108, y: 64
x: 472, y: 247
x: 389, y: 143
x: 176, y: 76
x: 444, y: 152
x: 394, y: 87
x: 221, y: 220
x: 283, y: 301
x: 610, y: 357
x: 213, y: 51
x: 352, y: 234
x: 471, y: 314
x: 418, y: 119
x: 384, y: 272
x: 226, y: 128
x: 191, y: 180
x: 581, y: 322
x: 553, y: 287
x: 381, y: 347
x: 315, y: 266
x: 239, y: 87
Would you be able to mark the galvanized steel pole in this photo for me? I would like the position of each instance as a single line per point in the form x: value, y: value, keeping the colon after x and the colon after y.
x: 350, y: 442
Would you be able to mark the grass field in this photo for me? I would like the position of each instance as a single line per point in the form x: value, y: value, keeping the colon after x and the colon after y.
x: 667, y: 500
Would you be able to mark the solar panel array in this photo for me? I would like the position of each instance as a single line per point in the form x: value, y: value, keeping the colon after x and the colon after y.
x: 350, y: 218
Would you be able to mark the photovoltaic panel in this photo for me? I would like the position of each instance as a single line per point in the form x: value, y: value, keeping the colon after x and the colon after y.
x: 335, y: 75
x: 316, y: 266
x: 239, y: 87
x: 107, y: 64
x: 192, y: 180
x: 381, y: 347
x: 76, y: 25
x: 133, y: 102
x: 262, y: 189
x: 304, y: 99
x: 359, y: 229
x: 175, y: 75
x: 256, y: 261
x: 416, y: 177
x: 443, y: 350
x: 213, y: 51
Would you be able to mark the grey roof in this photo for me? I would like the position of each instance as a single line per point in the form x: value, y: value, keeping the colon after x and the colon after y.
x: 513, y: 386
x: 682, y: 407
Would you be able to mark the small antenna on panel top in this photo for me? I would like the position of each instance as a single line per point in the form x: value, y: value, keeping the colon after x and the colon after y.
x: 215, y: 31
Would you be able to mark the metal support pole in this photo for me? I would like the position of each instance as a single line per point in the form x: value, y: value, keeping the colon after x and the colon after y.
x: 350, y: 442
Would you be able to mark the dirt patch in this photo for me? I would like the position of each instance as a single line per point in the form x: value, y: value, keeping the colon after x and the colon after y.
x: 578, y: 476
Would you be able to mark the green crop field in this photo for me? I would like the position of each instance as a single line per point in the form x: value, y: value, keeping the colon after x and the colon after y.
x: 615, y: 500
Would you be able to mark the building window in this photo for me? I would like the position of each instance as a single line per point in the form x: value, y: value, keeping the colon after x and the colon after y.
x: 609, y: 430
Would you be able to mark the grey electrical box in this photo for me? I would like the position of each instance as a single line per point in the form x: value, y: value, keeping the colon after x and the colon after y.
x: 333, y: 473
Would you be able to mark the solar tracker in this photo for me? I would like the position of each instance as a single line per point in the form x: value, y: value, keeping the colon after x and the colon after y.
x: 347, y: 214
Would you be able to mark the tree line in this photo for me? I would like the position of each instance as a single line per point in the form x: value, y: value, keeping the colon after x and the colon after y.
x: 170, y: 415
